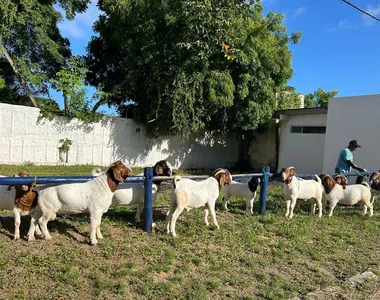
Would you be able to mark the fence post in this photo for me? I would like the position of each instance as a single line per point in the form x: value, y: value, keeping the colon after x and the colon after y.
x: 263, y: 190
x: 148, y: 206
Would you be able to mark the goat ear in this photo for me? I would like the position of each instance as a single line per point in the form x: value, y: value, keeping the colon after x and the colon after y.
x: 292, y: 172
x: 222, y: 180
x: 328, y: 183
x: 117, y: 174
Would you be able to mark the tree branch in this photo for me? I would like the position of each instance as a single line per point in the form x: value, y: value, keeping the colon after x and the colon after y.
x: 18, y: 75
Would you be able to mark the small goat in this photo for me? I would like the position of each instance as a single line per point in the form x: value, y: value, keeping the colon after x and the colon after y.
x: 243, y: 190
x: 93, y: 197
x: 189, y: 194
x: 133, y: 193
x: 352, y: 194
x: 20, y: 199
x: 295, y: 188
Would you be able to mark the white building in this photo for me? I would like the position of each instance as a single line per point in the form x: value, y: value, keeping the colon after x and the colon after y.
x: 310, y: 139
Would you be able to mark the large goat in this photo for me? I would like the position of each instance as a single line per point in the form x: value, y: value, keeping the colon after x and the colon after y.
x: 93, y: 197
x: 350, y: 195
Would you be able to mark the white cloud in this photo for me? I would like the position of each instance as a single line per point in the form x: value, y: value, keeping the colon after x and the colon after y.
x: 375, y: 11
x: 342, y: 24
x: 81, y: 26
x: 299, y: 11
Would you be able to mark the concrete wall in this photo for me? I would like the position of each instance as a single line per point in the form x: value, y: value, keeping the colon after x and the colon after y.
x: 263, y: 149
x: 353, y: 118
x: 22, y: 140
x: 303, y: 151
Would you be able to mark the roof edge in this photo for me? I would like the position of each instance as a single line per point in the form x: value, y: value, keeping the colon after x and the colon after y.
x: 300, y: 111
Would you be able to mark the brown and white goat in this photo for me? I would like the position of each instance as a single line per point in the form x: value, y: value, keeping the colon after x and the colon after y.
x: 295, y: 188
x: 350, y: 195
x: 188, y: 194
x: 20, y: 199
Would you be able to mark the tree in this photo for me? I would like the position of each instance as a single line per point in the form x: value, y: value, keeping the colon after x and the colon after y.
x: 31, y: 43
x: 288, y: 98
x: 319, y: 98
x: 70, y: 80
x: 190, y: 65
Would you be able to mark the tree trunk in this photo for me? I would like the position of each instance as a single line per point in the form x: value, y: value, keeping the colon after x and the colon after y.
x: 18, y: 75
x: 66, y: 104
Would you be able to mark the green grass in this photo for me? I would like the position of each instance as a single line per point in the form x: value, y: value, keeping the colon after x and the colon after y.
x: 250, y: 257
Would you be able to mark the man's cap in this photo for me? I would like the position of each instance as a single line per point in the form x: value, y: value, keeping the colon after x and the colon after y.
x: 354, y: 143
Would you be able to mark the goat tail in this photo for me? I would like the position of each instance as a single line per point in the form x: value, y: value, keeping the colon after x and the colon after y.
x: 366, y: 184
x: 96, y: 171
x: 176, y: 179
x: 318, y: 179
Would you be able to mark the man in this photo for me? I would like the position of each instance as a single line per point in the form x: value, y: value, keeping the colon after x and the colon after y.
x: 345, y: 159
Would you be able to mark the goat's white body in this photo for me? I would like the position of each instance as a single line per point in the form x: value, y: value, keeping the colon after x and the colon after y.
x: 239, y: 190
x: 353, y: 194
x: 189, y: 194
x: 93, y: 197
x: 132, y: 193
x: 304, y: 190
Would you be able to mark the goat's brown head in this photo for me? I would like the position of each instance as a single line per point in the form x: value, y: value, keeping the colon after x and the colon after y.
x: 116, y: 172
x: 323, y: 175
x: 20, y: 187
x: 223, y: 176
x: 162, y: 168
x: 342, y: 180
x: 287, y: 174
x: 374, y: 181
x: 328, y: 183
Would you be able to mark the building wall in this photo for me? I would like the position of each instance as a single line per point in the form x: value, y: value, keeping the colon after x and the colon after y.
x: 23, y: 140
x: 353, y: 118
x: 303, y: 151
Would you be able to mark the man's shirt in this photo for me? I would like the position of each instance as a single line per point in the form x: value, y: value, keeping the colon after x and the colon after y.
x: 345, y: 155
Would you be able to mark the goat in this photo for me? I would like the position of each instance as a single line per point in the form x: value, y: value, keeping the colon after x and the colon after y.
x: 93, y: 197
x: 133, y: 193
x: 352, y: 194
x: 243, y: 190
x: 20, y: 199
x: 191, y: 194
x: 300, y: 189
x: 373, y: 185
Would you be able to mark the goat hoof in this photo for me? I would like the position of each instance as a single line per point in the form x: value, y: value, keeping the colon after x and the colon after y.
x: 94, y: 243
x: 31, y: 239
x: 47, y: 238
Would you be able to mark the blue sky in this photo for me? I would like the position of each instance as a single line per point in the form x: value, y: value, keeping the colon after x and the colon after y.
x: 340, y: 46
